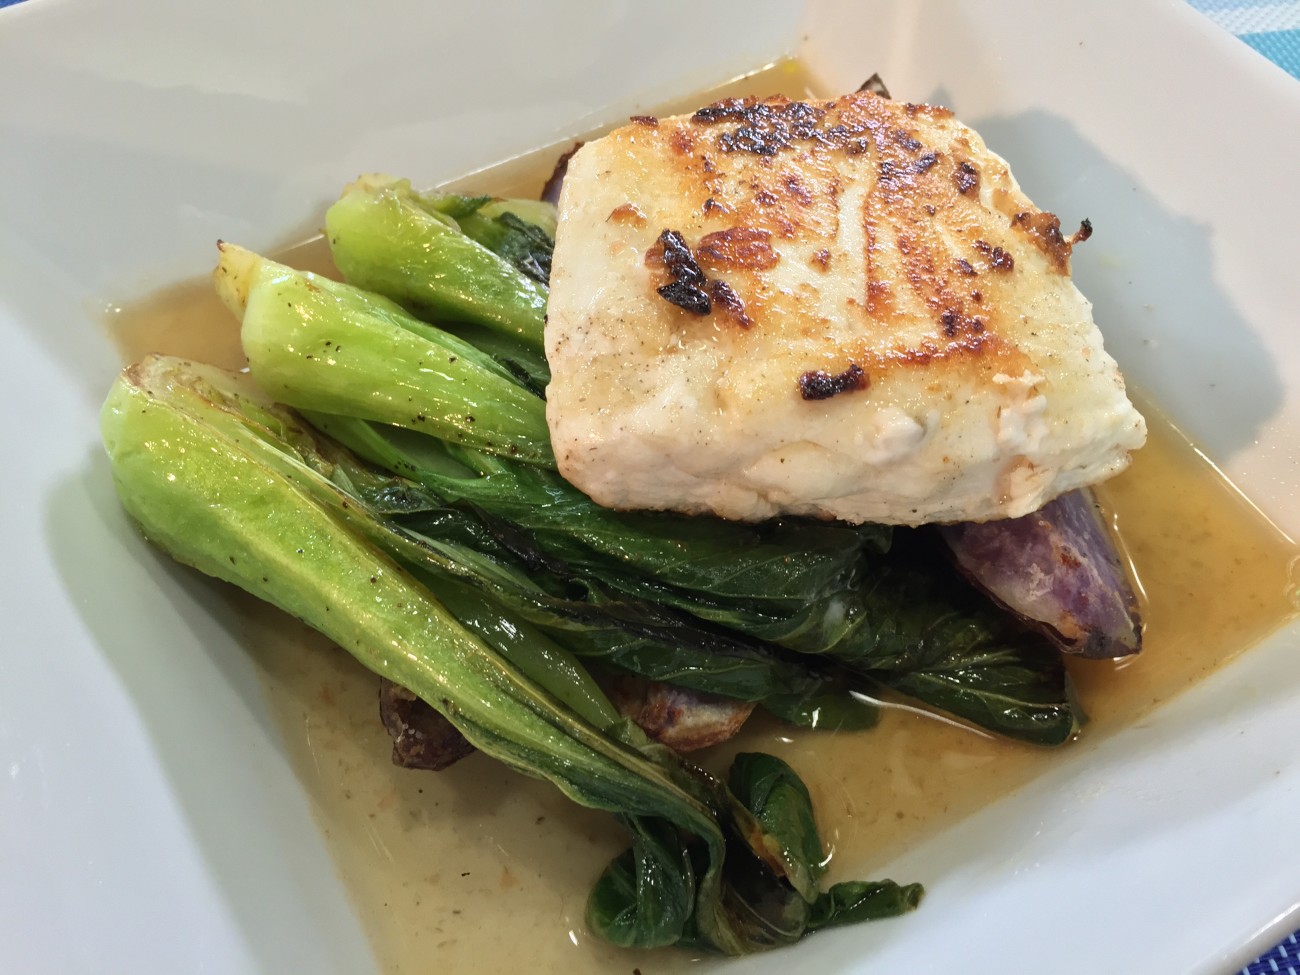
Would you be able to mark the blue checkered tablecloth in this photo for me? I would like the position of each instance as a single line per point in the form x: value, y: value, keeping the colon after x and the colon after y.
x: 1271, y: 27
x: 1282, y: 960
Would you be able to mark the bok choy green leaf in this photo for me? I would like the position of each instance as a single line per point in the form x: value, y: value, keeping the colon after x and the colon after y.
x: 823, y: 589
x: 230, y: 485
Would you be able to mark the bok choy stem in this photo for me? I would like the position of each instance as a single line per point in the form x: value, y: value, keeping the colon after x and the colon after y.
x: 227, y: 485
x: 386, y: 238
x: 813, y: 588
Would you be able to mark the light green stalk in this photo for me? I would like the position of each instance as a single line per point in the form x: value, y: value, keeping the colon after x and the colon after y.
x: 326, y: 346
x: 222, y: 491
x: 384, y: 239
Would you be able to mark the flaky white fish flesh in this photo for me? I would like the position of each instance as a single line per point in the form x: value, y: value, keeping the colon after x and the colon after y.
x: 838, y: 308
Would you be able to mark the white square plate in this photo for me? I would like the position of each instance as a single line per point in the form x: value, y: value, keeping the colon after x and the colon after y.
x: 149, y: 821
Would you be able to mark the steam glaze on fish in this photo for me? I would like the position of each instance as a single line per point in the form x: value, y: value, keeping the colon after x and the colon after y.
x: 842, y: 309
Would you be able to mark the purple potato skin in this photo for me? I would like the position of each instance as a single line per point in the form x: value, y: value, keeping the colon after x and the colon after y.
x: 422, y: 738
x: 683, y: 719
x: 551, y: 191
x: 1058, y: 569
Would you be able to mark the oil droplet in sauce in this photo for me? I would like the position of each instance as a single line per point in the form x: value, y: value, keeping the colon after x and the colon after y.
x: 480, y: 869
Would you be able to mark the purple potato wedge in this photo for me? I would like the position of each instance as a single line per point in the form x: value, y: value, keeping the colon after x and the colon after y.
x: 678, y: 717
x: 1057, y: 569
x: 422, y: 738
x: 683, y: 719
x: 555, y: 183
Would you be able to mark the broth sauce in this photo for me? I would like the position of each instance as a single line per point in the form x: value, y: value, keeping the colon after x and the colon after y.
x: 480, y: 869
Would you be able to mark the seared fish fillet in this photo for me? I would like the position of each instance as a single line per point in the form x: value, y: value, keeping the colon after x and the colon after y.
x: 843, y: 309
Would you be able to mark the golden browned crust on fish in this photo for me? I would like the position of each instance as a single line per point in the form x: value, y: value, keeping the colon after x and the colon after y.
x: 866, y: 255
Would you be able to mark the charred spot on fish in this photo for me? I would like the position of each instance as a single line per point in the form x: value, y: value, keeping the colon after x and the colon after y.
x: 801, y: 113
x: 747, y: 138
x: 875, y: 86
x: 999, y: 259
x: 672, y: 251
x: 907, y: 140
x: 965, y: 266
x: 730, y: 108
x: 1083, y: 233
x: 737, y: 247
x: 817, y: 384
x: 688, y: 297
x: 765, y: 127
x: 953, y: 322
x: 1044, y: 229
x: 690, y: 290
x: 967, y: 178
x: 682, y: 141
x: 925, y: 162
x: 764, y: 198
x: 1046, y: 225
x: 686, y: 290
x: 795, y: 188
x: 710, y: 205
x: 822, y: 259
x: 725, y: 298
x: 803, y: 119
x: 647, y: 120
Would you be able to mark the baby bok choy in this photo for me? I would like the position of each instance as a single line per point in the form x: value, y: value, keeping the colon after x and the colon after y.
x: 391, y: 239
x: 594, y: 620
x: 242, y: 490
x: 407, y: 396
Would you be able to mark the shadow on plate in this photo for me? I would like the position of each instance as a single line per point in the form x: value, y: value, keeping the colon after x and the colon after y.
x: 1150, y: 275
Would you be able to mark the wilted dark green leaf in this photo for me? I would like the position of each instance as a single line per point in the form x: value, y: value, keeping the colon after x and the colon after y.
x: 646, y: 895
x: 780, y: 803
x: 861, y: 900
